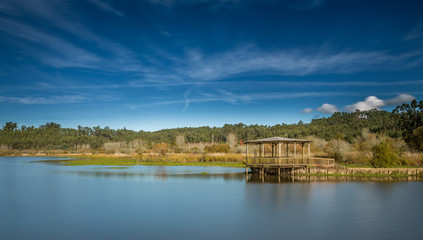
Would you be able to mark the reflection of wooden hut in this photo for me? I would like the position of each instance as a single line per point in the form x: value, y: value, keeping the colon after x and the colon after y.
x: 281, y: 156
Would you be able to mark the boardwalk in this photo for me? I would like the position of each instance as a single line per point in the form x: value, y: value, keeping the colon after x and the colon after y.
x: 281, y: 156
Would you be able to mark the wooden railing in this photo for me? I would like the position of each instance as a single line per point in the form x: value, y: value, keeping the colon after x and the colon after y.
x: 292, y: 161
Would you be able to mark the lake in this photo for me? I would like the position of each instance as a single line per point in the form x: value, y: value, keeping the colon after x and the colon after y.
x: 47, y: 201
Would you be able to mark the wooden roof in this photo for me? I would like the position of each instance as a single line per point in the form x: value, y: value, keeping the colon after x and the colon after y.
x: 278, y: 140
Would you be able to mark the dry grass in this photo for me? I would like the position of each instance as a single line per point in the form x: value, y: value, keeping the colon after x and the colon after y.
x: 413, y: 158
x: 186, y: 158
x: 225, y: 160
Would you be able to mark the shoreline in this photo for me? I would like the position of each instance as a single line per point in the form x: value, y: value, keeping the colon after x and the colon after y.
x: 218, y: 160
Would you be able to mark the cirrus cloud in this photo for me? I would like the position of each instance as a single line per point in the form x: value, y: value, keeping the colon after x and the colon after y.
x: 45, y: 100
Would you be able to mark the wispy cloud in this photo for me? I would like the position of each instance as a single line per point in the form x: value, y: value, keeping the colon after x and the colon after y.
x: 233, y: 98
x: 212, y: 3
x: 416, y: 32
x: 310, y: 84
x: 45, y: 100
x: 296, y: 62
x: 307, y: 110
x: 202, y: 75
x: 106, y: 7
x: 57, y: 51
x: 195, y: 67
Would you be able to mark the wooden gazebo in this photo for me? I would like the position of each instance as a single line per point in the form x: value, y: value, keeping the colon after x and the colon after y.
x: 279, y: 158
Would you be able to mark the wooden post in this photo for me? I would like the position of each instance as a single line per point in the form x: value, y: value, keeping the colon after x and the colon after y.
x: 287, y: 149
x: 280, y: 149
x: 246, y: 154
x: 262, y: 150
x: 273, y: 149
x: 302, y: 148
x: 295, y: 149
x: 309, y: 154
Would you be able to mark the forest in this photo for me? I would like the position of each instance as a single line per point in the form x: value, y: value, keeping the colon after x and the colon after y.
x: 402, y: 126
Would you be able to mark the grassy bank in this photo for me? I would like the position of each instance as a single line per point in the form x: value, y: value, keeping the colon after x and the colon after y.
x: 230, y: 160
x: 370, y: 166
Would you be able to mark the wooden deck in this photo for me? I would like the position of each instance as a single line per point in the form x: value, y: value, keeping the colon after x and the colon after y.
x: 278, y: 165
x: 290, y: 161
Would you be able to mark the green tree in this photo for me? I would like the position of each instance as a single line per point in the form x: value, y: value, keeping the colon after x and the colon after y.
x: 10, y: 126
x: 384, y: 156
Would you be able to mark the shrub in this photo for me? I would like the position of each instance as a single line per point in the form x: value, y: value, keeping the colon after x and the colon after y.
x: 318, y: 146
x: 338, y: 149
x: 383, y: 156
x: 416, y: 139
x: 222, y: 148
x: 161, y: 148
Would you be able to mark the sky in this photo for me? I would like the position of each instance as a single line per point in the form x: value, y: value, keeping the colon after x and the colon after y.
x: 155, y: 64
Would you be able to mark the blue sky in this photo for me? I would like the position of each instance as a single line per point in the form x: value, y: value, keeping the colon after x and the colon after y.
x: 153, y: 64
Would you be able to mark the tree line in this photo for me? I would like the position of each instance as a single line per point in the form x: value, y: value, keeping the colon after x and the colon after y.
x: 405, y: 121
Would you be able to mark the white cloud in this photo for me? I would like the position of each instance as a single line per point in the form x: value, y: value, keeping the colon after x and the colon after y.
x: 307, y: 110
x: 328, y: 108
x: 369, y: 103
x: 400, y: 99
x: 373, y: 102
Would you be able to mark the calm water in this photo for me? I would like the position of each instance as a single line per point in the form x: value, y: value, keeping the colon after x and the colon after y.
x: 45, y: 201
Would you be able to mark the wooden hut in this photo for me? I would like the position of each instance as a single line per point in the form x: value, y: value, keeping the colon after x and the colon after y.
x: 282, y: 154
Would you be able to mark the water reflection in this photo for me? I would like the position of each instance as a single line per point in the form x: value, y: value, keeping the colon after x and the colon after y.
x: 257, y: 178
x: 162, y: 173
x: 160, y: 176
